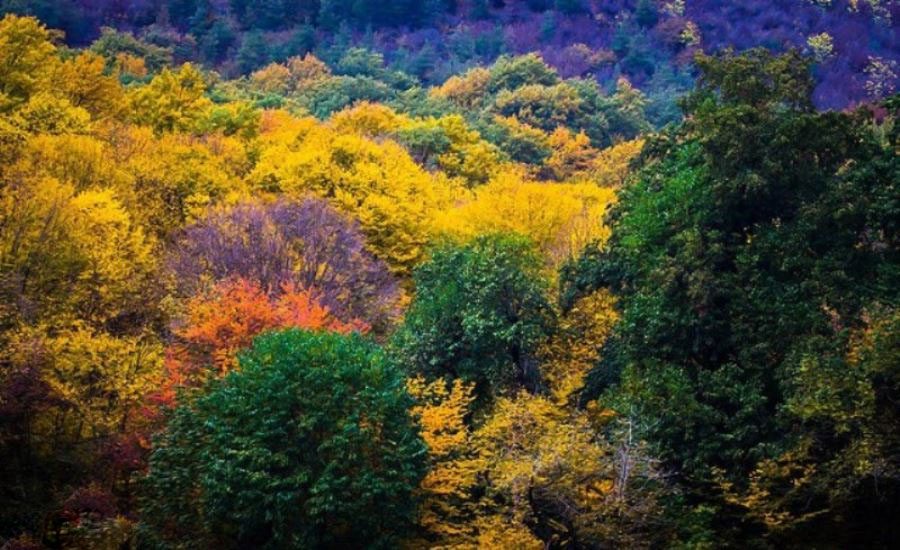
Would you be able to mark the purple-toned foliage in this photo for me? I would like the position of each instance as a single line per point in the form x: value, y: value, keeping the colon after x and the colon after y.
x: 307, y: 243
x: 91, y: 502
x: 434, y: 46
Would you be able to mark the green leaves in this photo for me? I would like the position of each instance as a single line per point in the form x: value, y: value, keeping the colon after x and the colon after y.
x: 742, y: 255
x: 310, y: 443
x: 479, y: 314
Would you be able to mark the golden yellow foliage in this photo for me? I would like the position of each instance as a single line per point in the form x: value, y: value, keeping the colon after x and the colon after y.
x: 27, y: 59
x: 469, y: 156
x: 561, y: 219
x: 466, y: 90
x: 306, y: 69
x: 172, y: 101
x: 571, y: 157
x: 574, y: 350
x: 84, y: 82
x: 102, y: 378
x: 377, y: 183
x: 130, y: 65
x: 115, y: 253
x: 273, y: 78
x: 441, y: 409
x: 174, y: 178
x: 81, y: 160
x: 50, y: 114
x: 539, y: 459
x: 610, y: 167
x: 368, y: 119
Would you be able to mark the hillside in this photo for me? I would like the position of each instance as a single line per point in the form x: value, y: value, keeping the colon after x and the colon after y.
x: 569, y: 275
x: 650, y: 42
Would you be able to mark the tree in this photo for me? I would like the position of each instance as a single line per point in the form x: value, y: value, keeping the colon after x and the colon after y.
x: 479, y: 314
x: 253, y: 53
x: 218, y: 324
x: 509, y: 73
x: 375, y: 182
x: 560, y: 219
x: 755, y: 237
x: 309, y: 443
x: 441, y: 409
x: 173, y: 101
x: 26, y: 59
x: 82, y: 80
x: 306, y: 244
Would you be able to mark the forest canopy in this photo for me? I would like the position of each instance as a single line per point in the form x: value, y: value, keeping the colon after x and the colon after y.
x: 273, y: 275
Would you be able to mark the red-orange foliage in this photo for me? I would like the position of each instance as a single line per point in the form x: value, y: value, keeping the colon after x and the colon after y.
x: 218, y: 324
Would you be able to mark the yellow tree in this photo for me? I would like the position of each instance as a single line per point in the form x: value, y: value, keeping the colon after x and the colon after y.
x: 84, y: 82
x: 172, y: 101
x: 467, y: 90
x: 27, y: 58
x: 441, y: 409
x: 377, y: 183
x: 100, y: 379
x: 117, y: 257
x: 561, y: 219
x: 575, y: 349
x: 610, y: 167
x: 571, y: 155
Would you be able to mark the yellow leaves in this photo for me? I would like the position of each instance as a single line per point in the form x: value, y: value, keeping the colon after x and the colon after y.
x: 467, y: 90
x: 80, y: 160
x: 469, y: 157
x: 575, y: 348
x: 561, y: 219
x: 173, y: 101
x: 273, y: 78
x: 26, y: 59
x: 497, y: 531
x: 116, y: 254
x: 47, y: 113
x: 441, y: 409
x: 174, y: 177
x: 295, y: 73
x: 610, y: 168
x: 307, y: 69
x: 368, y: 119
x: 377, y: 183
x: 84, y: 82
x: 101, y: 376
x: 533, y: 449
x: 571, y: 154
x: 486, y: 484
x: 130, y: 65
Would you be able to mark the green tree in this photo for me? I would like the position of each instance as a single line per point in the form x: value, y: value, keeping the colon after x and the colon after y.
x: 308, y: 444
x: 254, y: 52
x: 755, y: 238
x: 479, y: 314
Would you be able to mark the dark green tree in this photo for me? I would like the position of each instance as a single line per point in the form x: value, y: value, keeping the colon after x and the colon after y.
x: 646, y: 14
x: 571, y: 7
x: 479, y: 314
x: 253, y: 53
x: 756, y: 240
x: 308, y: 444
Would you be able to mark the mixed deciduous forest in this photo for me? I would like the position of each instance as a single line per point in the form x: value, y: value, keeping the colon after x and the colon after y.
x: 568, y: 274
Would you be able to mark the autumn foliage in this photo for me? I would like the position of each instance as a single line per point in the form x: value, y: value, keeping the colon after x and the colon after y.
x: 452, y: 284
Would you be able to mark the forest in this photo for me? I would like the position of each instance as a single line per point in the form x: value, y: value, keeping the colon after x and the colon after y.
x: 549, y: 274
